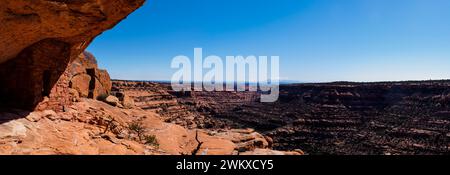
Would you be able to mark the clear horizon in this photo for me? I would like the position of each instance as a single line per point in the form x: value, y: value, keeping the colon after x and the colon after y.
x: 317, y: 40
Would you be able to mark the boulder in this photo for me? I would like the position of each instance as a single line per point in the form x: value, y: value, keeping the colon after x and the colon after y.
x: 127, y: 101
x: 34, y: 117
x: 112, y: 100
x: 38, y: 115
x: 50, y: 114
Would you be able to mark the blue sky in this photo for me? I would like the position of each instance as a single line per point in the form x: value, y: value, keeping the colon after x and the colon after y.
x: 317, y: 40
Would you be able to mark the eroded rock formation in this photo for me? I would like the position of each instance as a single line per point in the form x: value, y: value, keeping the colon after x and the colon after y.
x: 40, y: 38
x: 87, y: 79
x: 334, y: 118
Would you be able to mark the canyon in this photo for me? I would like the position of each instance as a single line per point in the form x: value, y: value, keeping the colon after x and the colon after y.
x: 324, y: 118
x: 55, y: 100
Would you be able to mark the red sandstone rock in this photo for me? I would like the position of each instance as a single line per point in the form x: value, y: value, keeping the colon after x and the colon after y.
x: 40, y: 38
x: 87, y: 78
x: 127, y: 101
x: 112, y: 100
x: 89, y: 130
x: 72, y: 22
x: 81, y: 84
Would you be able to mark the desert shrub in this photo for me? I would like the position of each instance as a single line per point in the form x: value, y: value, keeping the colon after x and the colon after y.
x: 150, y: 140
x: 138, y: 128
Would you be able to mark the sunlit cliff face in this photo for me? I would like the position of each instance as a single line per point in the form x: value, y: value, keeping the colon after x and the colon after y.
x: 40, y: 38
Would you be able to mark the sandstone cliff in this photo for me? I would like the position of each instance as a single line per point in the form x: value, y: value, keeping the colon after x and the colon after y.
x: 40, y: 38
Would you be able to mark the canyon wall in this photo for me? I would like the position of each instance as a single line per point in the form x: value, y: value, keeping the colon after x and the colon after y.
x: 39, y: 39
x: 333, y: 118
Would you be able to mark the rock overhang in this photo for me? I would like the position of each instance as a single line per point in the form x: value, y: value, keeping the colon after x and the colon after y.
x: 39, y: 39
x: 24, y: 22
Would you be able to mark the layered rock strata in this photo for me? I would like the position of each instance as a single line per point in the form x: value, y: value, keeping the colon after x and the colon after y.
x: 332, y: 118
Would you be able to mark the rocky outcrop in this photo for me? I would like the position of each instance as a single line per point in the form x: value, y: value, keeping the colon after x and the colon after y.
x: 94, y: 127
x: 81, y: 79
x: 40, y: 39
x: 245, y: 139
x: 87, y: 79
x: 73, y: 22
